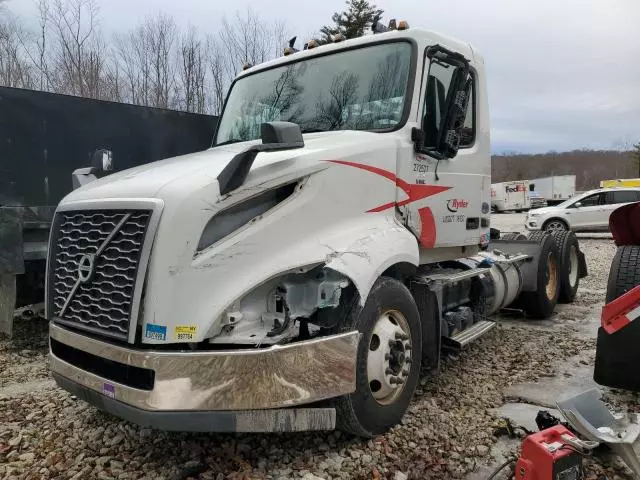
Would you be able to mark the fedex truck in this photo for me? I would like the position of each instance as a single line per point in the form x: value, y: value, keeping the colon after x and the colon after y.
x: 510, y: 196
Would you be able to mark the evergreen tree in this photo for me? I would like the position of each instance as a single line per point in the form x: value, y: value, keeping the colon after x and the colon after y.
x: 352, y: 22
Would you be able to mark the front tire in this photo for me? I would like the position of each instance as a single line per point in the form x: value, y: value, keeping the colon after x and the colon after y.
x: 555, y: 225
x: 388, y: 360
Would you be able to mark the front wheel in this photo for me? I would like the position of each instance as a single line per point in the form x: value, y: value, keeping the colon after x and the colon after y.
x: 388, y: 360
x: 555, y: 225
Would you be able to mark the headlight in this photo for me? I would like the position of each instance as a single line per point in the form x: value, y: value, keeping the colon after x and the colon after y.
x: 236, y: 216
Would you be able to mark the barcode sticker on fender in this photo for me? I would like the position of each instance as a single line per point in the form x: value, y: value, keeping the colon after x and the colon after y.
x: 185, y: 332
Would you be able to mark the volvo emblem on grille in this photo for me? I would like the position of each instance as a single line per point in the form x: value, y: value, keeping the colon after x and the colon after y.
x: 86, y: 264
x: 85, y: 268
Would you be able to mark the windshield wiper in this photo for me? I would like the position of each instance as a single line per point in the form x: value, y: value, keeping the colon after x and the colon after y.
x: 228, y: 142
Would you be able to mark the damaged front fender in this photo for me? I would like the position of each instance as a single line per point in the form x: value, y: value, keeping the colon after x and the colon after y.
x: 384, y: 244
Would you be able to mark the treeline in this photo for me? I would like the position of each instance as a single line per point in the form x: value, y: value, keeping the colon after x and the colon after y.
x: 589, y: 166
x: 156, y: 63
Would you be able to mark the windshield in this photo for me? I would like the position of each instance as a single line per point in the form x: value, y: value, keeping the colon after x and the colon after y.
x: 359, y: 89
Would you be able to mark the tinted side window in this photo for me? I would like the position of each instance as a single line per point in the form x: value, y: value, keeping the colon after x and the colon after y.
x: 592, y: 200
x: 438, y: 83
x: 622, y: 197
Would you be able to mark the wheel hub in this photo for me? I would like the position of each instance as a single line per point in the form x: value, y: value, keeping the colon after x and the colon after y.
x: 389, y: 357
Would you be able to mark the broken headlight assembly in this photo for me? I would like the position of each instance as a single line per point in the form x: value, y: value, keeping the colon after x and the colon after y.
x: 236, y: 216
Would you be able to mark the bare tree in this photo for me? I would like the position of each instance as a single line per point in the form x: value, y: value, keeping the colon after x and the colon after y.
x: 15, y: 69
x: 217, y: 73
x: 246, y: 39
x: 80, y: 51
x: 192, y: 72
x: 146, y: 56
x: 153, y: 64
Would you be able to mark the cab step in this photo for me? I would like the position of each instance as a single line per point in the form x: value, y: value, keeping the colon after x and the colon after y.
x: 468, y: 335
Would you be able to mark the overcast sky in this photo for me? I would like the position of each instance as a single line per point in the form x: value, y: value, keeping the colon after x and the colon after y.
x: 563, y: 74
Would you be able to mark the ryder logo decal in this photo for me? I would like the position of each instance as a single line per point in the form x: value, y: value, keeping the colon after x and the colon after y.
x: 454, y: 205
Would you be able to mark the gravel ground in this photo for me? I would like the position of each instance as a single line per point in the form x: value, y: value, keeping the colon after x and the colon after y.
x: 447, y: 433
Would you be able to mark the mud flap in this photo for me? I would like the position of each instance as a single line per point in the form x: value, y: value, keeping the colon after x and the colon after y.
x: 582, y: 265
x: 618, y: 357
x: 7, y: 302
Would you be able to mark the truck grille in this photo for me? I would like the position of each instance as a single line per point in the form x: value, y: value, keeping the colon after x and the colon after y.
x: 94, y: 264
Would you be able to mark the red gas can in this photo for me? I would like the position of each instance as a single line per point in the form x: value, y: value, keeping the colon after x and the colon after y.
x: 549, y: 455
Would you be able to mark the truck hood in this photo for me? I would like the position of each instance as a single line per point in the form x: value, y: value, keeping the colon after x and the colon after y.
x: 147, y: 181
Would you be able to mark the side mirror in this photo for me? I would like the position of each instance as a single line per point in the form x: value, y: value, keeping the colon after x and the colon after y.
x: 101, y: 165
x: 577, y: 204
x: 454, y: 108
x: 102, y: 161
x: 455, y: 113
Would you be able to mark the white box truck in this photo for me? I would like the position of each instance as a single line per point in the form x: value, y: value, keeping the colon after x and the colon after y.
x: 300, y: 272
x: 510, y: 196
x: 555, y: 189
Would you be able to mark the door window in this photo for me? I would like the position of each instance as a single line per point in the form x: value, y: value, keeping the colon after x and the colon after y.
x: 435, y: 101
x: 622, y: 196
x: 590, y: 201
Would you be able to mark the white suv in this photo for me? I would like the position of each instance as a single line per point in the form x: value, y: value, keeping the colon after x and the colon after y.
x: 587, y: 212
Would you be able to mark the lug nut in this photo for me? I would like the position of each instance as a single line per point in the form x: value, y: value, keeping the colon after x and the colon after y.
x: 388, y: 371
x: 387, y: 356
x: 402, y: 336
x: 393, y: 380
x: 405, y: 373
x: 407, y: 361
x: 392, y: 343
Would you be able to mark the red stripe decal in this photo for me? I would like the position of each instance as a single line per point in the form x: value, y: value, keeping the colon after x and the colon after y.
x: 428, y: 229
x: 614, y: 314
x: 414, y: 192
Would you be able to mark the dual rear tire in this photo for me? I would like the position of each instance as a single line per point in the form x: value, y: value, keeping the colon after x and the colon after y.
x: 558, y: 272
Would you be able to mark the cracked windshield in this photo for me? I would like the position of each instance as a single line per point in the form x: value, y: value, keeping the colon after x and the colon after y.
x: 360, y: 89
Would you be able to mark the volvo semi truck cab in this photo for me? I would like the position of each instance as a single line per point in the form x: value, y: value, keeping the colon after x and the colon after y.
x: 297, y: 274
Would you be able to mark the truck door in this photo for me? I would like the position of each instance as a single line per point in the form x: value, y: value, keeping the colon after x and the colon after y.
x: 455, y: 185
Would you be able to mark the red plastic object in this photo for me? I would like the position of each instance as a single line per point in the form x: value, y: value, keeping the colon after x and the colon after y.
x: 622, y: 311
x: 546, y: 456
x: 624, y: 224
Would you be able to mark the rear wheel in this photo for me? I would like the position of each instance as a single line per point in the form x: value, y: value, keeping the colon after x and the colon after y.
x: 554, y: 225
x: 388, y: 360
x: 625, y: 272
x: 568, y: 250
x: 541, y: 303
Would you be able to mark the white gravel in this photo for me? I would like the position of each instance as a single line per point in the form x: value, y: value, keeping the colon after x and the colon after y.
x: 447, y: 433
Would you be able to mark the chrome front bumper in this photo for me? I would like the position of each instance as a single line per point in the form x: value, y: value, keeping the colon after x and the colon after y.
x: 250, y: 379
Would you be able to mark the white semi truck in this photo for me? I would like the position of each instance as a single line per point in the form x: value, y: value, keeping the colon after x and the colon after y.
x: 556, y: 189
x: 300, y: 272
